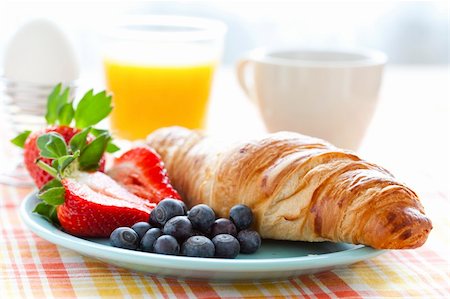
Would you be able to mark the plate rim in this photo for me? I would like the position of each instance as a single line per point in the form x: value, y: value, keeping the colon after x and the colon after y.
x: 101, y: 251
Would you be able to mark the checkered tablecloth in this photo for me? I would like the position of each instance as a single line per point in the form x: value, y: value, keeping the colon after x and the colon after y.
x: 31, y: 267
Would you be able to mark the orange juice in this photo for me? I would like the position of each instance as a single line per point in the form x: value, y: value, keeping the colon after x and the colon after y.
x: 148, y: 97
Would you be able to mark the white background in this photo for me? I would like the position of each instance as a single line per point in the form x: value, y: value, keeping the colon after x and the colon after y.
x: 409, y: 32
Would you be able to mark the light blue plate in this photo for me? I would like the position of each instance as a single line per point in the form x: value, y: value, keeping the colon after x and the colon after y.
x: 275, y: 260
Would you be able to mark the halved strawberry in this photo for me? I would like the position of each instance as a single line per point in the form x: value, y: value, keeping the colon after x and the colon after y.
x: 95, y: 205
x: 91, y: 109
x: 85, y: 203
x: 141, y: 171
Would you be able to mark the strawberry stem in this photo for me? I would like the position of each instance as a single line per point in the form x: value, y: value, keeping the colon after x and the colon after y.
x: 47, y: 168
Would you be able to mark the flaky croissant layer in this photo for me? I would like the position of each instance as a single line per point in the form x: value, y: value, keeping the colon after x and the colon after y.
x: 299, y: 187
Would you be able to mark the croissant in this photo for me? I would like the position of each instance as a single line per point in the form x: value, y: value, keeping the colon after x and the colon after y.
x: 299, y: 188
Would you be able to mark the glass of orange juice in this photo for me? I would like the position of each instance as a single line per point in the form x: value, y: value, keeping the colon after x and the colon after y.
x: 159, y: 70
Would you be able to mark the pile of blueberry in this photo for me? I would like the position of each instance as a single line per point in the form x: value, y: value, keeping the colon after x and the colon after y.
x: 174, y: 230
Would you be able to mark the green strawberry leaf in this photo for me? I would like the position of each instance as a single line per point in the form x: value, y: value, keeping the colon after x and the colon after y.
x: 65, y: 161
x: 51, y: 184
x: 66, y: 113
x: 96, y: 132
x: 20, y: 139
x: 93, y: 152
x: 47, y: 168
x: 55, y: 164
x: 52, y: 145
x: 52, y: 104
x: 55, y: 101
x: 53, y: 196
x: 78, y: 142
x: 47, y: 211
x: 92, y: 108
x: 112, y: 148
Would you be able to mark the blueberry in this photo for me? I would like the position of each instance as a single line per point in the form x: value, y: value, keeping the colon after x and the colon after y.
x: 167, y: 209
x: 185, y: 209
x: 226, y: 246
x: 202, y: 217
x: 124, y: 237
x: 166, y: 245
x: 196, y: 232
x: 141, y: 228
x: 223, y: 226
x: 152, y: 220
x: 249, y: 240
x: 149, y: 239
x: 198, y: 246
x: 242, y: 216
x: 179, y: 227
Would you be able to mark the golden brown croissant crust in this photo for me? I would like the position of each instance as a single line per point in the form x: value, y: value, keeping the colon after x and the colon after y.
x: 299, y: 187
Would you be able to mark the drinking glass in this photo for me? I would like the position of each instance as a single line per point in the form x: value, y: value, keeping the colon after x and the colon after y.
x: 159, y: 70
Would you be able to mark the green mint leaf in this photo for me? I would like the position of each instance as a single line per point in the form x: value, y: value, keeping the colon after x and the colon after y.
x: 92, y: 108
x: 53, y: 196
x: 51, y: 184
x: 52, y: 145
x: 78, y: 142
x: 20, y: 139
x: 112, y: 148
x: 66, y: 114
x: 55, y: 101
x: 47, y: 211
x: 93, y: 152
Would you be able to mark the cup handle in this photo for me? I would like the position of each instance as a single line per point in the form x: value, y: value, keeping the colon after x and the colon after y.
x: 241, y: 71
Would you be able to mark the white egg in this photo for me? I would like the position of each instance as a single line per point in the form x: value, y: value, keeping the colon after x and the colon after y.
x: 39, y: 52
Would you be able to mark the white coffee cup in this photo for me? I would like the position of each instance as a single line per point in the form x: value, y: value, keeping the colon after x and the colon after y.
x: 327, y: 94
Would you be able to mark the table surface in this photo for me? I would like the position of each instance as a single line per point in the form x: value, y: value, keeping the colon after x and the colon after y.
x: 409, y: 135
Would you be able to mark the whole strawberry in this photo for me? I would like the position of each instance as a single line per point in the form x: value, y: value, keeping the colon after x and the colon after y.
x: 31, y: 152
x: 91, y: 109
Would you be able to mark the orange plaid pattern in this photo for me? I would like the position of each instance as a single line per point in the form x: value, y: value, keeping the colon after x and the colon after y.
x: 31, y: 267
